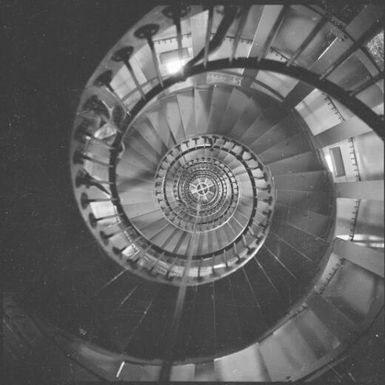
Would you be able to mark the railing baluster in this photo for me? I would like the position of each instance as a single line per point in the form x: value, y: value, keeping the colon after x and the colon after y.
x: 84, y: 178
x: 79, y: 157
x: 372, y: 31
x: 208, y: 34
x: 94, y: 105
x: 123, y: 55
x: 169, y: 270
x: 224, y: 258
x: 273, y: 33
x: 82, y: 131
x: 178, y: 33
x: 241, y: 26
x: 104, y: 79
x: 176, y: 12
x: 85, y: 201
x: 147, y: 32
x: 270, y: 37
x: 94, y: 221
x: 178, y: 30
x: 105, y: 237
x: 132, y: 260
x: 220, y: 35
x: 321, y: 23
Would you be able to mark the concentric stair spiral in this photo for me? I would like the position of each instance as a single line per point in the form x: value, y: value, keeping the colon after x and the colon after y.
x: 210, y: 192
x: 224, y: 176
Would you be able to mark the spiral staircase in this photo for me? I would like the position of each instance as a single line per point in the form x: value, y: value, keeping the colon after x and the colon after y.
x: 227, y: 161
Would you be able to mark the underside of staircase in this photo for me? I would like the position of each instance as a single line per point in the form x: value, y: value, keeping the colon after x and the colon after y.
x: 195, y: 192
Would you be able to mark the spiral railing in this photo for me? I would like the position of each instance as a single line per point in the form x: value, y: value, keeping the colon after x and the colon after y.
x: 210, y: 188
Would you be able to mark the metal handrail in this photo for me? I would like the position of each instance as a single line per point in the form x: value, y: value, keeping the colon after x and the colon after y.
x: 344, y: 97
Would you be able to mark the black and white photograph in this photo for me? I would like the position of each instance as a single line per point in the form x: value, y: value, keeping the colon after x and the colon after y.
x: 192, y: 191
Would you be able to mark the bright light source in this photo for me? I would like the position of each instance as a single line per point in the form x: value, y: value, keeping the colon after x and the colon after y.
x: 174, y: 66
x: 173, y: 61
x: 329, y: 162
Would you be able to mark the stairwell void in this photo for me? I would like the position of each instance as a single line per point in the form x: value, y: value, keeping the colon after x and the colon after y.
x: 227, y: 161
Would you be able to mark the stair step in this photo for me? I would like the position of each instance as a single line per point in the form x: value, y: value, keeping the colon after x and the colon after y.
x: 252, y: 110
x: 121, y: 323
x: 149, y: 134
x: 125, y: 181
x: 296, y: 263
x: 203, y: 332
x: 182, y: 372
x: 311, y: 246
x: 237, y: 103
x: 187, y: 111
x: 186, y: 324
x: 279, y: 276
x: 357, y: 306
x: 309, y: 222
x: 226, y: 317
x: 251, y: 318
x: 244, y: 365
x: 314, y: 333
x: 138, y: 145
x: 135, y: 162
x: 284, y: 129
x: 168, y: 238
x: 138, y: 372
x: 150, y: 340
x: 319, y: 202
x: 171, y: 112
x: 304, y: 181
x: 136, y: 196
x: 160, y: 124
x: 152, y: 224
x: 137, y: 209
x: 219, y: 100
x: 278, y: 361
x: 366, y: 257
x: 270, y: 302
x: 202, y: 100
x: 338, y: 323
x: 263, y: 123
x: 307, y: 161
x: 205, y: 371
x: 263, y: 32
x: 295, y: 145
x: 294, y: 344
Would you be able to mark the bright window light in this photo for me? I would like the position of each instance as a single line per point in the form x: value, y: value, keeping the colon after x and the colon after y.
x: 329, y: 162
x: 173, y: 66
x: 173, y: 61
